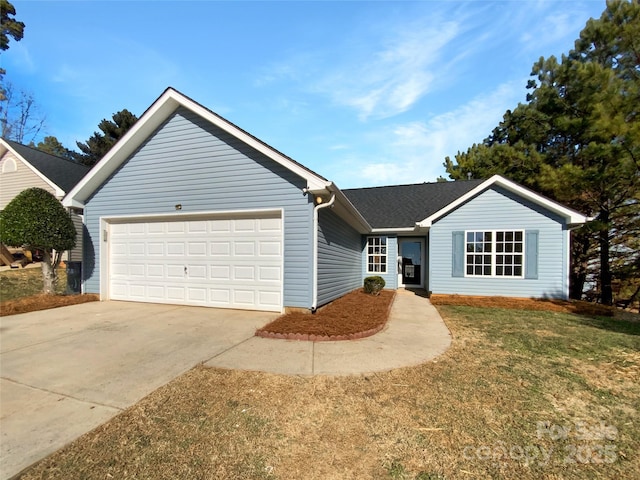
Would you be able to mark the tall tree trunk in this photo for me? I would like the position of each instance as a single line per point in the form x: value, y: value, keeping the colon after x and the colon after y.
x: 580, y: 244
x: 606, y: 291
x: 48, y: 273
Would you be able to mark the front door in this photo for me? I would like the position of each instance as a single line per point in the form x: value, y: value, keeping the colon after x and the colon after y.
x: 411, y: 262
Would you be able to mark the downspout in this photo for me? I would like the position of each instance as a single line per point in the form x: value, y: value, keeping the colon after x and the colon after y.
x: 314, y: 301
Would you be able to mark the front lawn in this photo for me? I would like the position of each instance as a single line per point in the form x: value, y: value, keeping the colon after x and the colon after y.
x: 521, y: 394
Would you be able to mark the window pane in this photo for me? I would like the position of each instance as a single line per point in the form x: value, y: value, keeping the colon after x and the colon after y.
x: 508, y: 270
x: 478, y: 270
x: 508, y: 247
x: 498, y: 270
x: 518, y: 236
x: 517, y: 271
x: 487, y: 236
x: 469, y: 270
x: 469, y: 237
x: 508, y: 236
x: 518, y: 247
x: 487, y: 270
x: 517, y: 259
x: 499, y: 236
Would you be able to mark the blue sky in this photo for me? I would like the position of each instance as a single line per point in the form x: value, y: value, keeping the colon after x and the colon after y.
x: 363, y: 93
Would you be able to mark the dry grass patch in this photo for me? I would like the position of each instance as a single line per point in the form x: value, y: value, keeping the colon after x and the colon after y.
x: 550, y: 305
x: 20, y: 292
x: 478, y: 411
x: 353, y: 313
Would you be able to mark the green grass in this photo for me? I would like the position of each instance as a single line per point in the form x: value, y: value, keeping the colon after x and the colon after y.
x: 512, y: 398
x: 23, y: 282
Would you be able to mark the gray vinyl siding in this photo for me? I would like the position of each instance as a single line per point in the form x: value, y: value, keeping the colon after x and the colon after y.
x: 75, y: 254
x: 498, y: 209
x: 12, y: 183
x: 339, y: 257
x: 391, y: 276
x: 191, y: 162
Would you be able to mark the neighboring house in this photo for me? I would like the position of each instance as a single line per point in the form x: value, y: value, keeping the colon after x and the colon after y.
x: 188, y: 208
x: 23, y: 167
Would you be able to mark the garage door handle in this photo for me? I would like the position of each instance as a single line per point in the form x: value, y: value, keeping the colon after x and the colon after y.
x: 185, y: 270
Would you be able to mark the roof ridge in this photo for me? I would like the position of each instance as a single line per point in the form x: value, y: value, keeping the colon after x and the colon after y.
x: 414, y: 184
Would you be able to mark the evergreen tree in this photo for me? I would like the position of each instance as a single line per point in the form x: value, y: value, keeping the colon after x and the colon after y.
x: 101, y: 142
x: 578, y: 141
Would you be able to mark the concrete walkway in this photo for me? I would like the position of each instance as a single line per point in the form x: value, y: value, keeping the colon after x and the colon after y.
x: 414, y: 334
x: 67, y: 370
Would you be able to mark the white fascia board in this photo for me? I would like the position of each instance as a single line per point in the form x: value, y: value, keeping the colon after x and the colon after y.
x: 571, y: 216
x: 159, y: 111
x: 150, y: 120
x: 7, y: 148
x: 347, y: 209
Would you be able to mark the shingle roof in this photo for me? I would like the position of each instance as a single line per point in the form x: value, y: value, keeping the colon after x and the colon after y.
x: 64, y: 173
x: 401, y: 206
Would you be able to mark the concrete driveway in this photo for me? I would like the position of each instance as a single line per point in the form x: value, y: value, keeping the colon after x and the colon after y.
x: 68, y: 370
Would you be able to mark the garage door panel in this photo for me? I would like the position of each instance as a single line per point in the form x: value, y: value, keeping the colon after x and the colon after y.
x: 196, y: 248
x: 220, y: 249
x: 244, y: 273
x: 197, y: 272
x: 231, y: 263
x: 220, y: 272
x: 269, y: 274
x: 175, y: 249
x: 155, y: 272
x: 269, y: 249
x: 244, y: 249
x: 244, y: 225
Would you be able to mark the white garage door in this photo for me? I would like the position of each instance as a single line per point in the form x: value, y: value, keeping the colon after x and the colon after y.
x: 216, y: 262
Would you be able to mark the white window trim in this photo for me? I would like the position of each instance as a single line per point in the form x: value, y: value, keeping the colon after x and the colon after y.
x: 493, y: 254
x: 386, y: 255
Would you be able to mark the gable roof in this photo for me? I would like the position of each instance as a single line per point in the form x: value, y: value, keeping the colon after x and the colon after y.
x: 60, y: 173
x: 408, y: 207
x: 151, y: 119
x: 402, y: 206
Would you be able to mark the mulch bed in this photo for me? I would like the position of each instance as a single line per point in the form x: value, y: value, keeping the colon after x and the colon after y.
x: 43, y: 302
x: 355, y: 315
x: 577, y: 307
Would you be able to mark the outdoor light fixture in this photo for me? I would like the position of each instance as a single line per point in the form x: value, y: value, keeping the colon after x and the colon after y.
x: 319, y: 200
x: 179, y: 206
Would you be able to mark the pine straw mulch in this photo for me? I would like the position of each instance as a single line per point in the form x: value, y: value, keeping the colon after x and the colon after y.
x: 351, y: 315
x: 43, y: 302
x: 550, y: 305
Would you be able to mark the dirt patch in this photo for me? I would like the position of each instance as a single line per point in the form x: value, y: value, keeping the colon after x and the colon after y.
x: 351, y: 314
x: 577, y: 307
x: 43, y: 302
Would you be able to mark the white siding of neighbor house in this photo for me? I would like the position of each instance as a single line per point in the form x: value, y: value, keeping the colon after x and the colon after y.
x: 498, y: 209
x: 189, y: 161
x: 14, y: 182
x: 391, y: 275
x: 339, y: 257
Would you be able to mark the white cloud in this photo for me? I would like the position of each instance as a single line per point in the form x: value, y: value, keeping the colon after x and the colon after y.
x: 392, y: 79
x: 413, y: 152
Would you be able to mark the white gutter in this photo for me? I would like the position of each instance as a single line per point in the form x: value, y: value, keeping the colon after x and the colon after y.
x: 314, y: 301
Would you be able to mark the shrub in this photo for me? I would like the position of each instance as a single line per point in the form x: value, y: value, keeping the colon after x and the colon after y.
x: 373, y: 285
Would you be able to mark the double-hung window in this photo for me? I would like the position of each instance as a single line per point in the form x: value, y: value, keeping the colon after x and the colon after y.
x: 494, y: 253
x: 377, y: 255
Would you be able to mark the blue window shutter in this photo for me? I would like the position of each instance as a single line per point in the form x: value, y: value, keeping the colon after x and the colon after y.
x: 457, y: 257
x: 531, y: 254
